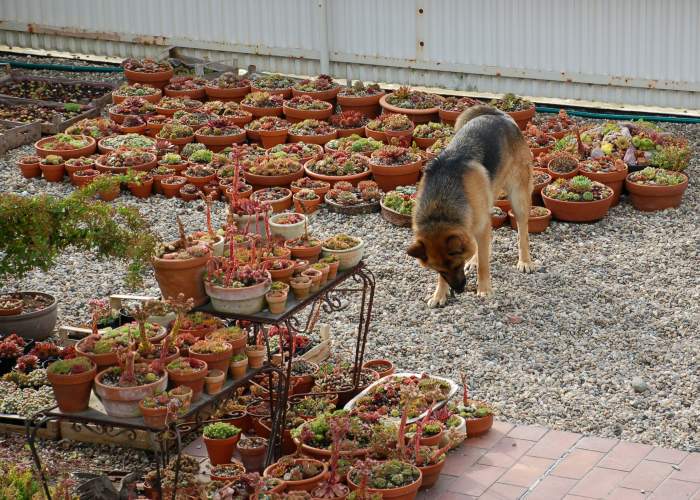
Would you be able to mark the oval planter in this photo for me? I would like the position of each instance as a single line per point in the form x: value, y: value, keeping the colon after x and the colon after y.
x: 314, y: 139
x: 332, y: 179
x: 158, y: 79
x: 265, y: 111
x: 152, y: 98
x: 416, y: 115
x: 53, y: 173
x: 182, y: 276
x: 72, y: 392
x: 124, y: 401
x: 367, y: 105
x: 287, y: 231
x: 270, y: 138
x: 73, y: 153
x: 227, y: 94
x: 193, y: 380
x: 281, y: 204
x: 383, y: 367
x: 577, y: 211
x: 407, y: 492
x: 295, y: 115
x: 246, y: 300
x: 431, y: 473
x: 377, y: 135
x: 172, y: 190
x: 389, y: 178
x: 259, y: 181
x: 522, y: 117
x: 29, y: 170
x: 534, y: 224
x: 652, y: 198
x: 347, y: 258
x: 614, y: 180
x: 154, y: 417
x: 215, y: 361
x: 218, y: 142
x: 303, y: 484
x: 306, y: 206
x: 220, y: 451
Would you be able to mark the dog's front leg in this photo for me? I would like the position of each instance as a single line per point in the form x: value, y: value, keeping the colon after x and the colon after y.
x: 439, y: 296
x: 483, y: 274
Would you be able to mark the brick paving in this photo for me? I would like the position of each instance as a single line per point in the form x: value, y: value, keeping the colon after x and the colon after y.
x: 526, y: 462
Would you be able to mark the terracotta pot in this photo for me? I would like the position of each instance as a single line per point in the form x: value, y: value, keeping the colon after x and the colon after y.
x: 215, y: 380
x: 276, y: 303
x: 652, y: 198
x: 197, y: 94
x: 478, y: 426
x: 431, y: 474
x: 321, y: 95
x: 184, y: 394
x: 218, y: 142
x: 239, y: 368
x: 295, y: 115
x: 199, y: 181
x: 300, y: 287
x: 285, y: 92
x: 383, y: 367
x: 614, y: 180
x: 270, y: 138
x: 172, y: 190
x: 30, y: 170
x: 309, y: 254
x: 152, y: 129
x: 540, y: 151
x: 154, y: 417
x: 254, y: 457
x: 220, y: 451
x: 215, y: 361
x: 256, y: 356
x: 534, y: 224
x: 537, y: 189
x: 376, y: 134
x: 240, y: 419
x: 283, y: 275
x: 143, y: 167
x: 157, y: 178
x: 389, y: 178
x: 152, y: 98
x: 143, y: 190
x: 497, y: 222
x: 124, y: 401
x: 194, y: 380
x: 424, y: 143
x: 313, y: 139
x: 281, y: 204
x: 367, y: 105
x: 158, y: 79
x: 110, y: 194
x: 416, y: 115
x: 182, y: 276
x: 304, y: 484
x: 324, y: 455
x: 306, y: 206
x: 101, y: 360
x: 557, y: 175
x: 232, y: 94
x: 72, y: 169
x: 448, y: 117
x: 332, y: 179
x: 259, y: 181
x: 399, y: 134
x: 73, y: 153
x: 522, y: 117
x: 503, y: 204
x: 259, y: 112
x: 181, y: 141
x: 72, y: 392
x: 347, y: 132
x: 407, y: 492
x: 315, y: 276
x: 228, y: 476
x: 138, y: 129
x: 577, y: 211
x: 333, y: 269
x: 53, y: 173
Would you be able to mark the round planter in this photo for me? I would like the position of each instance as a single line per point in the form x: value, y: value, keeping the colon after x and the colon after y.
x: 30, y: 170
x: 534, y: 224
x: 182, y: 276
x: 394, y: 217
x: 614, y: 180
x: 401, y: 135
x: 197, y: 94
x: 84, y: 180
x: 377, y: 135
x: 218, y: 142
x: 110, y: 194
x: 313, y: 139
x: 238, y: 369
x: 154, y: 417
x: 285, y: 92
x: 104, y: 360
x: 306, y: 206
x: 347, y: 258
x: 321, y: 95
x: 448, y: 117
x: 281, y: 204
x: 270, y: 138
x: 193, y: 380
x: 72, y: 392
x: 215, y: 361
x: 556, y: 175
x: 416, y: 115
x: 503, y: 204
x: 347, y: 132
x: 254, y: 457
x: 577, y: 211
x: 283, y: 275
x: 478, y: 426
x: 139, y: 129
x: 53, y: 173
x: 537, y: 189
x: 652, y: 198
x: 200, y: 182
x: 187, y: 196
x: 257, y: 112
x: 309, y: 254
x: 431, y: 474
x: 295, y: 115
x: 256, y: 356
x: 389, y: 178
x: 367, y: 105
x: 332, y: 179
x: 152, y: 98
x: 424, y: 143
x: 246, y: 300
x: 497, y: 221
x: 220, y: 451
x: 142, y: 190
x: 73, y: 153
x: 303, y: 484
x: 540, y: 151
x: 172, y: 190
x: 260, y: 181
x: 407, y: 492
x: 383, y: 367
x: 180, y: 141
x: 522, y: 117
x: 158, y: 79
x: 124, y: 401
x: 35, y: 325
x: 287, y: 231
x: 214, y: 380
x: 228, y: 94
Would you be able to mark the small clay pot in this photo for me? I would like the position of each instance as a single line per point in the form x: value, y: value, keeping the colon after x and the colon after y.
x: 215, y: 381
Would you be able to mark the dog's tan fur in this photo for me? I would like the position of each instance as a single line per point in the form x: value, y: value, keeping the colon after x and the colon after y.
x: 446, y: 245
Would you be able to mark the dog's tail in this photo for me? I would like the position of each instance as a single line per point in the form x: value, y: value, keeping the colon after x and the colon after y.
x: 476, y: 111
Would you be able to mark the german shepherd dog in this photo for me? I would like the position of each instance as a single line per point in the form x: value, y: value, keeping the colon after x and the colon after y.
x: 452, y: 219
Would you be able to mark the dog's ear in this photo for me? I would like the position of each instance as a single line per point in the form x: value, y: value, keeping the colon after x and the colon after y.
x: 417, y: 250
x: 454, y: 245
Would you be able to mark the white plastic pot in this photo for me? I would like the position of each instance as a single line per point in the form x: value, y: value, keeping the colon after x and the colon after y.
x: 348, y: 258
x: 287, y: 231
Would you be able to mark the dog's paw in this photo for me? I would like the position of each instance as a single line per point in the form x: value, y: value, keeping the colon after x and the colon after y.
x: 471, y: 264
x: 526, y: 267
x: 485, y: 293
x: 437, y: 300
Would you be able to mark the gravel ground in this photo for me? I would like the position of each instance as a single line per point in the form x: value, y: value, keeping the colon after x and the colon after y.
x: 603, y: 339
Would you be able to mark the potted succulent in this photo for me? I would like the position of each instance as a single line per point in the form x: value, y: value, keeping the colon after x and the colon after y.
x: 276, y: 301
x: 252, y: 451
x: 345, y: 198
x: 74, y: 165
x: 315, y: 276
x: 71, y: 380
x: 260, y: 104
x: 312, y: 131
x: 302, y: 107
x: 176, y: 133
x: 349, y: 123
x: 578, y: 199
x: 477, y: 414
x: 498, y: 217
x: 540, y: 179
x: 83, y: 178
x: 607, y: 170
x: 394, y: 166
x: 189, y: 372
x: 199, y: 175
x: 273, y: 84
x: 108, y: 186
x: 220, y: 438
x: 131, y: 141
x: 215, y: 380
x: 151, y: 94
x: 157, y: 409
x: 361, y: 98
x: 273, y: 171
x: 278, y: 198
x: 451, y: 107
x: 437, y: 147
x: 306, y: 201
x: 375, y: 128
x: 317, y: 186
x: 557, y: 126
x: 280, y: 270
x: 538, y: 141
x: 156, y: 122
x: 347, y: 249
x: 29, y: 166
x: 193, y: 119
x: 300, y: 151
x: 228, y: 86
x: 354, y: 144
x: 133, y: 124
x: 562, y: 165
x: 322, y: 88
x: 398, y: 127
x: 256, y: 353
x: 183, y: 394
x: 122, y: 159
x: 140, y: 184
x: 520, y: 109
x: 229, y: 110
x: 298, y: 473
x: 226, y: 472
x: 339, y: 166
x: 97, y: 128
x: 239, y: 365
x: 538, y: 220
x: 161, y: 172
x: 398, y: 205
x: 186, y: 86
x: 653, y: 188
x: 179, y: 267
x: 219, y: 133
x: 215, y: 353
x: 171, y: 185
x: 333, y: 264
x: 301, y: 286
x: 53, y: 168
x: 390, y: 479
x: 236, y: 289
x: 426, y: 134
x: 305, y: 247
x: 147, y: 71
x: 168, y: 106
x: 287, y: 225
x: 131, y: 106
x: 383, y: 367
x: 421, y: 107
x: 269, y: 130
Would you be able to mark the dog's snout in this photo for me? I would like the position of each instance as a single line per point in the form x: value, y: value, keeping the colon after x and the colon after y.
x: 460, y: 285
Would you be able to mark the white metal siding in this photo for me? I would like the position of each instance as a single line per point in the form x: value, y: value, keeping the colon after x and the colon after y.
x: 625, y: 51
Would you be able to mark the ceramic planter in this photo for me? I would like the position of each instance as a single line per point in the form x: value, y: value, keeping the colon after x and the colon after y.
x: 577, y: 211
x: 650, y: 198
x: 246, y: 300
x: 72, y: 392
x: 383, y: 367
x: 30, y: 170
x: 534, y: 224
x: 301, y: 287
x: 182, y: 276
x: 172, y: 190
x: 141, y: 190
x: 416, y: 115
x: 215, y: 361
x: 193, y: 379
x: 407, y: 492
x: 522, y: 117
x: 256, y: 356
x: 72, y: 153
x: 214, y: 380
x: 53, y: 173
x: 367, y: 105
x: 253, y: 455
x: 389, y: 177
x: 347, y: 258
x: 220, y: 451
x: 303, y: 484
x: 239, y: 368
x: 124, y: 401
x: 154, y: 417
x: 295, y: 115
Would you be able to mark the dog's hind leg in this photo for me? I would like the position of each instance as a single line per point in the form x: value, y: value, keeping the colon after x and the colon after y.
x: 439, y: 296
x: 521, y: 199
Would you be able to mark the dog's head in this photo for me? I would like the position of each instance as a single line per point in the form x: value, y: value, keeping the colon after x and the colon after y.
x: 446, y: 253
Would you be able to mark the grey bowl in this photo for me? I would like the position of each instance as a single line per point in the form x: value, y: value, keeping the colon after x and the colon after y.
x: 35, y: 325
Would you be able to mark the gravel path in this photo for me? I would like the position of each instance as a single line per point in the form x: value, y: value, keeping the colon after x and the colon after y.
x: 612, y: 303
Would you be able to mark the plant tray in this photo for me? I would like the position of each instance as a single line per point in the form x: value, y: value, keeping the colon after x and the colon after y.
x: 58, y: 123
x: 453, y: 390
x: 18, y: 134
x: 394, y: 217
x: 364, y: 208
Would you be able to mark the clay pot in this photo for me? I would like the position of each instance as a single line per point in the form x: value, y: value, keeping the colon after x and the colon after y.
x: 295, y: 115
x: 399, y: 134
x: 448, y: 117
x: 537, y: 189
x: 260, y: 181
x: 503, y: 204
x: 276, y: 302
x: 184, y: 394
x: 325, y: 455
x: 321, y: 95
x: 540, y: 151
x: 313, y: 139
x: 197, y: 94
x: 220, y: 451
x: 239, y: 368
x: 332, y: 179
x: 347, y: 132
x: 230, y: 94
x: 182, y: 276
x: 522, y: 117
x: 383, y: 367
x: 301, y: 286
x: 389, y: 178
x: 534, y: 224
x: 557, y: 175
x: 577, y: 211
x: 497, y: 221
x: 478, y: 426
x: 253, y: 457
x: 142, y: 190
x: 304, y: 484
x: 416, y: 115
x: 193, y: 380
x: 431, y: 474
x: 152, y: 98
x: 138, y: 129
x: 101, y: 360
x: 110, y: 194
x: 218, y: 142
x: 215, y: 361
x: 154, y: 417
x: 614, y: 180
x: 377, y: 135
x: 407, y: 492
x: 315, y: 276
x: 214, y: 380
x: 424, y: 143
x: 257, y: 112
x: 30, y: 170
x: 333, y: 269
x: 53, y: 173
x: 281, y: 204
x: 367, y: 105
x: 200, y: 182
x: 157, y: 178
x: 652, y: 198
x: 181, y: 141
x: 306, y: 206
x: 256, y: 356
x: 270, y: 138
x: 285, y: 92
x: 172, y: 190
x: 73, y: 153
x: 309, y: 254
x: 72, y: 392
x: 158, y: 79
x: 124, y: 401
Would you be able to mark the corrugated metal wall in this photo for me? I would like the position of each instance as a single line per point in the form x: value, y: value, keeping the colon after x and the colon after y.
x: 624, y: 51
